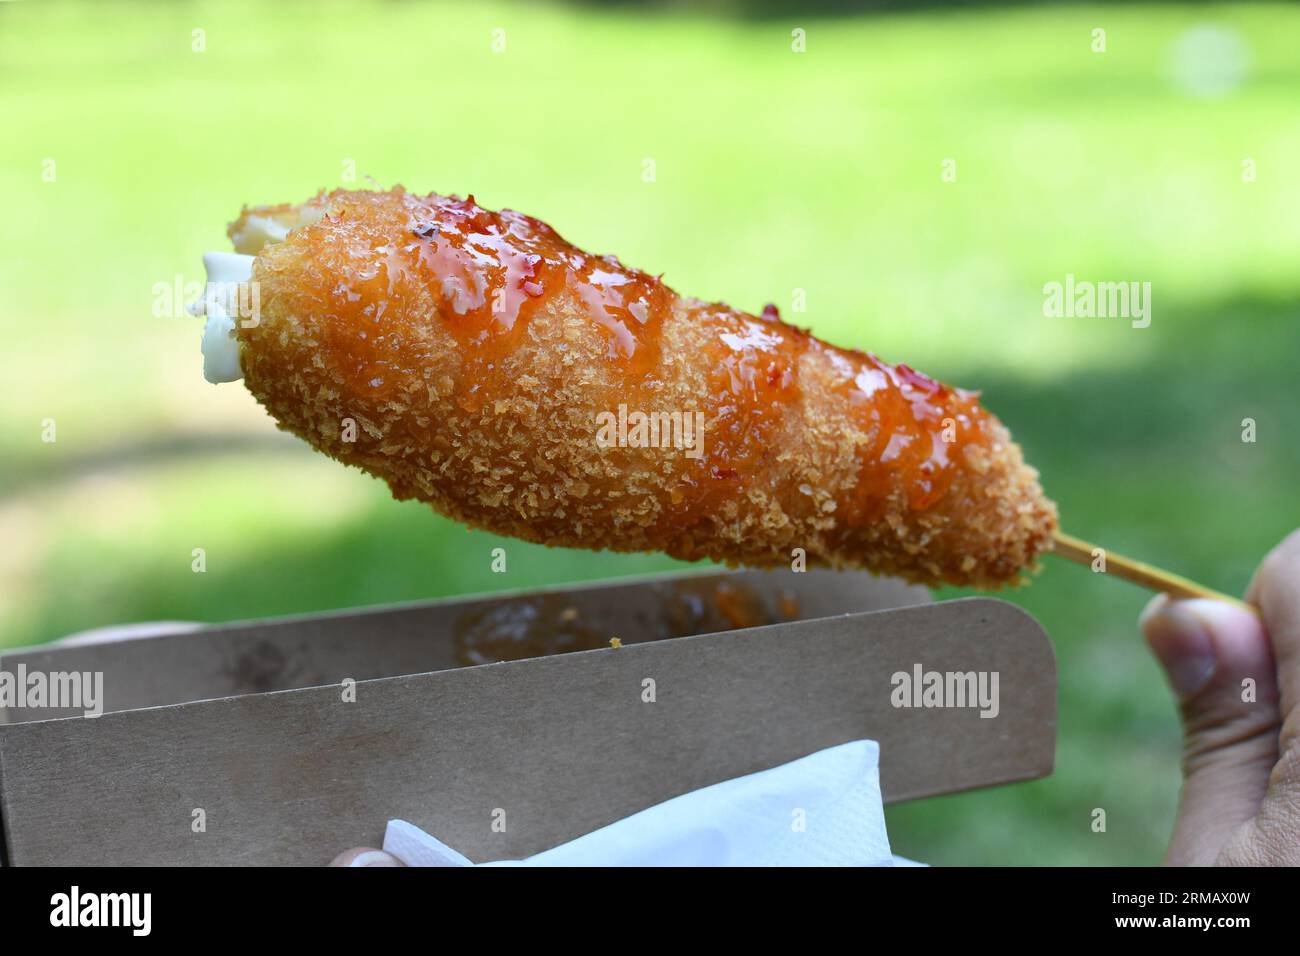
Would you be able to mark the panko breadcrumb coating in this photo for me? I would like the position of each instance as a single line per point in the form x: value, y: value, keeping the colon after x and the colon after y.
x: 469, y: 358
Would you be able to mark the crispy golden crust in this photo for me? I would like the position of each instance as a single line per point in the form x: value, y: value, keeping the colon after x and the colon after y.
x: 337, y: 343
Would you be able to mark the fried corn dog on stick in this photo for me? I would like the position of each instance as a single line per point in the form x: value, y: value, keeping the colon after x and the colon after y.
x: 478, y: 353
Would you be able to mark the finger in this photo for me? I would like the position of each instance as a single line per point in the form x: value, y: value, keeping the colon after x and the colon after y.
x: 1276, y: 592
x: 365, y: 856
x: 121, y: 632
x: 1219, y: 664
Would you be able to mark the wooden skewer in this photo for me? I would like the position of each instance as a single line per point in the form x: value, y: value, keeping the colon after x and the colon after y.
x: 1153, y: 578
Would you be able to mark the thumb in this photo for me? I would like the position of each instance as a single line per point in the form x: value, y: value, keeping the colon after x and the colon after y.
x: 1219, y: 663
x: 365, y: 856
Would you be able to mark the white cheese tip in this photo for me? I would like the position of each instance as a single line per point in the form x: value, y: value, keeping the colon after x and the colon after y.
x: 227, y: 272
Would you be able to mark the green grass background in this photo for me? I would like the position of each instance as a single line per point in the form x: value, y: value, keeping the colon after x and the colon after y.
x: 775, y: 171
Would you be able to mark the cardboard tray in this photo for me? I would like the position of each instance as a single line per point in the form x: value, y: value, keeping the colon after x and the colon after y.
x: 253, y: 724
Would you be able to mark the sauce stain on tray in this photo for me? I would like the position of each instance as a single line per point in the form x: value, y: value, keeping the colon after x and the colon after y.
x: 552, y: 624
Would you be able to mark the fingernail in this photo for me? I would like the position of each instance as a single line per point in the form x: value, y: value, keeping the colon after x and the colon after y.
x: 373, y: 858
x: 1154, y: 607
x: 1182, y: 643
x: 1220, y: 618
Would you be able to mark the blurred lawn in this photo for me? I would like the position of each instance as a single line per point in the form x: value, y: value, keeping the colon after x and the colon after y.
x: 775, y: 171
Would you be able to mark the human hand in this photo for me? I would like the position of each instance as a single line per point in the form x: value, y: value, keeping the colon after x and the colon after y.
x: 1237, y: 679
x: 365, y: 856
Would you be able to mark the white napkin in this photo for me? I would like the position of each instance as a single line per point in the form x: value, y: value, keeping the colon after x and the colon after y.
x: 820, y: 810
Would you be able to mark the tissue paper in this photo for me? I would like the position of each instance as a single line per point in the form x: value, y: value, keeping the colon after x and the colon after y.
x: 820, y: 810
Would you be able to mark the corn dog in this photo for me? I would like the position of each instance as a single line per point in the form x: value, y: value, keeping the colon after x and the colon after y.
x: 469, y: 359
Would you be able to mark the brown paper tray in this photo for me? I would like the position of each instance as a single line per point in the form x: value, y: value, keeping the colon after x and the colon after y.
x: 247, y: 722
